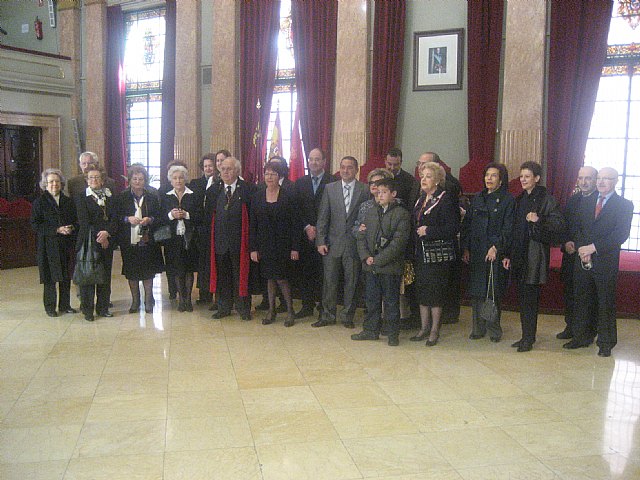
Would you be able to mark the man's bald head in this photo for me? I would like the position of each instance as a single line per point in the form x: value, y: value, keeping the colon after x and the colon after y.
x: 587, y: 180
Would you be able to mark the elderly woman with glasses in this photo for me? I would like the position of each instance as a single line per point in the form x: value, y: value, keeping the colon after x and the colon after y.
x: 54, y: 219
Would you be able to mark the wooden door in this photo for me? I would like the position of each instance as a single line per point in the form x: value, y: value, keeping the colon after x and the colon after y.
x: 20, y: 161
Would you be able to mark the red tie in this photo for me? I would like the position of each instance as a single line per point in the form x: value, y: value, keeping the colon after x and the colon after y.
x: 599, y: 205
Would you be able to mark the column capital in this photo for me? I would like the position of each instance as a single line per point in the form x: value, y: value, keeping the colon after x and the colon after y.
x: 94, y: 2
x: 68, y: 5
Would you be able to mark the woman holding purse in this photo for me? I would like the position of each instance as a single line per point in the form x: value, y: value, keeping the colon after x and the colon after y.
x: 485, y: 239
x: 138, y: 213
x: 436, y: 221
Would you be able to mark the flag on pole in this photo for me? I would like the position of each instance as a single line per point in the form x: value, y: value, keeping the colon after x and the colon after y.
x: 275, y: 149
x: 296, y: 156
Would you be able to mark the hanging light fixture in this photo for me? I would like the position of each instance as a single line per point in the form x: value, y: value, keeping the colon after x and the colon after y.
x: 630, y: 11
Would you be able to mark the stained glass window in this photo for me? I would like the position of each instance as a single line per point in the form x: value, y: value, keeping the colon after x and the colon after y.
x: 614, y: 137
x: 144, y: 64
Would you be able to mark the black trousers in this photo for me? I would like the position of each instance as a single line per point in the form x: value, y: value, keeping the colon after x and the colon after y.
x: 204, y: 262
x: 62, y: 297
x: 228, y: 281
x: 529, y: 298
x: 595, y: 294
x: 568, y: 263
x: 311, y: 275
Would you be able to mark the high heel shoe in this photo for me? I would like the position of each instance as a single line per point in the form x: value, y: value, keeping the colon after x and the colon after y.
x: 420, y: 337
x: 148, y: 305
x: 269, y: 319
x: 290, y: 322
x: 135, y: 306
x: 431, y: 343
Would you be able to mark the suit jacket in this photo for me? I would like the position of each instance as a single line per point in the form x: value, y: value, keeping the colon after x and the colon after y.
x: 55, y: 251
x: 334, y: 223
x: 228, y: 218
x: 308, y: 202
x: 408, y: 188
x: 607, y: 232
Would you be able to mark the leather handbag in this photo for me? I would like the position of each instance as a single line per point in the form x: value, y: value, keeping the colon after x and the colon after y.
x: 89, y: 269
x: 488, y: 309
x: 436, y: 251
x: 162, y: 234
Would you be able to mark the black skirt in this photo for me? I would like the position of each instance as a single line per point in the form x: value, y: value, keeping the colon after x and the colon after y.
x: 141, y: 262
x: 179, y: 259
x: 431, y: 282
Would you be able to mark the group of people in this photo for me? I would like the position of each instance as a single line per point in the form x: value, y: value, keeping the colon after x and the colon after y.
x: 408, y: 235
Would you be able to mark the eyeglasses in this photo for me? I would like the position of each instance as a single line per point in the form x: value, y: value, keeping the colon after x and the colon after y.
x: 53, y: 181
x: 609, y: 179
x: 95, y: 178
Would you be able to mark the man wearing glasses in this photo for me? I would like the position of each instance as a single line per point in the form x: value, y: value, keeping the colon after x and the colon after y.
x: 602, y: 225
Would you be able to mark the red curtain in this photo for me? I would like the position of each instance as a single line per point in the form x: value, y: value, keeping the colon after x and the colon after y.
x: 484, y: 27
x: 315, y: 52
x: 168, y: 128
x: 577, y: 51
x: 115, y: 161
x: 388, y: 52
x: 296, y: 157
x: 259, y: 26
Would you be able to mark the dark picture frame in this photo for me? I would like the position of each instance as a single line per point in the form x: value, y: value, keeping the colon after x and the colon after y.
x: 438, y: 60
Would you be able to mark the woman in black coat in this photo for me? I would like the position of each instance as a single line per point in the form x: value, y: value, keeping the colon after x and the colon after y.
x: 538, y: 222
x: 275, y: 233
x: 182, y: 211
x: 436, y: 221
x: 54, y: 219
x: 485, y: 239
x: 138, y: 211
x: 98, y: 223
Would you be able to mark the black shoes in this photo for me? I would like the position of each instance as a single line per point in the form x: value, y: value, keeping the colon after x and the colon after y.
x: 574, y: 344
x: 89, y: 317
x: 420, y: 337
x: 290, y: 322
x: 221, y: 314
x: 348, y: 324
x: 246, y: 315
x: 364, y: 336
x: 135, y: 306
x: 432, y: 343
x: 495, y: 339
x: 305, y: 312
x: 474, y: 336
x: 323, y: 323
x: 604, y: 352
x: 264, y: 305
x: 69, y: 310
x: 393, y: 341
x: 52, y: 313
x: 106, y: 314
x: 524, y: 347
x: 269, y: 319
x: 564, y: 335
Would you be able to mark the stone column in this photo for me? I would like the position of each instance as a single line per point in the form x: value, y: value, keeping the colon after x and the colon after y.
x: 521, y: 134
x: 352, y: 81
x: 187, y: 139
x: 95, y: 28
x: 69, y: 33
x: 224, y: 77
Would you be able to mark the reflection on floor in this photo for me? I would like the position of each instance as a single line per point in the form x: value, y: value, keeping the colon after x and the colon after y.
x: 181, y: 396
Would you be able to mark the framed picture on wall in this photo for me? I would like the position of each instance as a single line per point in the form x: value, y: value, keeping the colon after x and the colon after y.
x: 438, y: 58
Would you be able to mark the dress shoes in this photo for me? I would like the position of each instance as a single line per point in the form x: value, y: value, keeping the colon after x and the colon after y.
x: 348, y: 324
x: 246, y: 315
x: 524, y: 347
x: 495, y: 339
x: 305, y: 312
x: 134, y: 307
x: 323, y: 323
x: 106, y: 314
x: 420, y: 337
x: 188, y: 306
x: 269, y: 319
x: 290, y: 322
x: 52, y: 313
x: 221, y: 314
x: 213, y: 307
x: 181, y: 307
x: 264, y: 305
x: 564, y: 335
x: 69, y: 310
x: 516, y: 344
x: 475, y: 336
x: 432, y: 343
x: 393, y: 341
x: 604, y: 352
x: 364, y: 336
x: 89, y: 317
x: 574, y: 344
x: 522, y: 342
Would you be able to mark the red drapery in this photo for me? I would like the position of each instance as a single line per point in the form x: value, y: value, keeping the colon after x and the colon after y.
x: 259, y: 26
x: 577, y: 51
x: 388, y: 52
x: 168, y: 128
x: 315, y: 52
x: 115, y: 161
x: 296, y: 157
x: 484, y: 26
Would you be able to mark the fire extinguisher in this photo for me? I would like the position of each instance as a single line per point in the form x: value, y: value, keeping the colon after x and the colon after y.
x: 37, y: 25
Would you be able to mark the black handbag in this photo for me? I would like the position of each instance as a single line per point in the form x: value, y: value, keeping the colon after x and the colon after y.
x: 89, y: 269
x: 436, y: 251
x: 162, y: 234
x: 488, y: 309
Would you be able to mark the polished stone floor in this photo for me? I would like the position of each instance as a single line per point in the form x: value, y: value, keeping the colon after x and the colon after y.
x: 175, y: 395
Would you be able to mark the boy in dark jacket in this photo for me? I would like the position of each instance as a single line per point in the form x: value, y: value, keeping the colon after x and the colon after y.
x: 382, y: 240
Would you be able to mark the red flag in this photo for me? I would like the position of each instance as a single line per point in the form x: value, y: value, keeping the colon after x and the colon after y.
x: 275, y: 149
x: 296, y: 156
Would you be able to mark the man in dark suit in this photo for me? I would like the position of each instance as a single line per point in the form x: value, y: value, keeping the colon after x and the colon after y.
x: 308, y: 191
x: 338, y: 209
x: 205, y: 187
x: 408, y: 187
x: 601, y: 227
x: 230, y: 242
x: 586, y: 187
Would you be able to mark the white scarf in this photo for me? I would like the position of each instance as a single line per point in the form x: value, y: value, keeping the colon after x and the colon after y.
x: 136, y: 234
x: 99, y: 198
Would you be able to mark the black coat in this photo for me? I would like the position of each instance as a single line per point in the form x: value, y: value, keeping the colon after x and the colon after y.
x: 55, y: 251
x: 190, y: 202
x: 488, y: 222
x: 125, y: 207
x: 228, y: 217
x: 530, y: 248
x: 309, y: 203
x: 93, y: 217
x: 442, y: 221
x: 408, y: 188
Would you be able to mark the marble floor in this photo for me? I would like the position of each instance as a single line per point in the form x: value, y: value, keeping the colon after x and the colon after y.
x: 175, y: 395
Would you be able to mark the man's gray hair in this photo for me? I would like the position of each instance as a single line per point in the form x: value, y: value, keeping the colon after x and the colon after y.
x: 94, y: 157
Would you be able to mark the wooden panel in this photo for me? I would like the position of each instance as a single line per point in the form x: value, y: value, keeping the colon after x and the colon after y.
x: 17, y: 243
